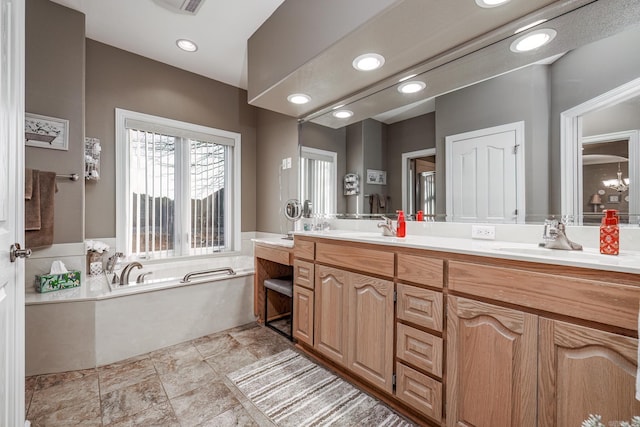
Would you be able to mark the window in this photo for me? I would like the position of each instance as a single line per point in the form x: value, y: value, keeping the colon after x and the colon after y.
x: 177, y: 187
x: 318, y: 179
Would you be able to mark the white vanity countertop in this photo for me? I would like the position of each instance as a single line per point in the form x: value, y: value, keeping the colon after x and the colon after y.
x: 274, y: 241
x: 626, y: 262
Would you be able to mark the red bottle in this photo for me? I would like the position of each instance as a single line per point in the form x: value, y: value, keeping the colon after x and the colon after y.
x: 401, y: 230
x: 420, y: 216
x: 610, y: 233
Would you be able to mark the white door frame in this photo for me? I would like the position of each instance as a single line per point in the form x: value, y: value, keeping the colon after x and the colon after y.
x: 12, y: 332
x: 409, y: 155
x: 518, y: 128
x: 571, y: 144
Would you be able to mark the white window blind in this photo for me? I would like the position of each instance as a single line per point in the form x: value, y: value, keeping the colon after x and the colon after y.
x: 318, y: 179
x: 178, y: 190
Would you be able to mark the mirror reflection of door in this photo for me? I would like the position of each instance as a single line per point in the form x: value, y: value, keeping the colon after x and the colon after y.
x: 318, y: 180
x: 422, y: 186
x: 605, y: 182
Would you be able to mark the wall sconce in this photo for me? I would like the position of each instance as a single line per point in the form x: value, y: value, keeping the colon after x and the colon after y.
x: 618, y: 184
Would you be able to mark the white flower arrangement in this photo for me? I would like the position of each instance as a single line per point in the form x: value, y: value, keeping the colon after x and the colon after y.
x: 96, y: 246
x: 596, y: 421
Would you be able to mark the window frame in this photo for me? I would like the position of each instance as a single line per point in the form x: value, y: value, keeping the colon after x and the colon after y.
x: 123, y: 202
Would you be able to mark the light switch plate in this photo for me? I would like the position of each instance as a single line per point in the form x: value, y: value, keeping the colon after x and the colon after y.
x: 485, y: 232
x: 284, y: 163
x: 288, y: 163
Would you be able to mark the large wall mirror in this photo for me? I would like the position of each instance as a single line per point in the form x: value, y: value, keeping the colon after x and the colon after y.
x: 566, y: 117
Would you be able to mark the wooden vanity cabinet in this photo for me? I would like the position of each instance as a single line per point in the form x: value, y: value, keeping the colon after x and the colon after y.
x: 354, y: 323
x: 303, y: 296
x: 585, y: 371
x: 491, y: 365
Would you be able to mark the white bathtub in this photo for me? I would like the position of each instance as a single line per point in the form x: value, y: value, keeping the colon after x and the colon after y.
x: 102, y: 326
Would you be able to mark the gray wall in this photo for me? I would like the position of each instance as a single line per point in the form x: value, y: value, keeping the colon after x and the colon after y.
x: 355, y: 164
x: 278, y: 139
x: 54, y: 80
x: 414, y: 134
x: 119, y: 79
x: 621, y: 117
x: 375, y: 157
x: 326, y: 138
x: 521, y: 95
x: 577, y: 78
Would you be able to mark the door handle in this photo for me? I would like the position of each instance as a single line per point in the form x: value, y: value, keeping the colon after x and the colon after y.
x: 15, y: 252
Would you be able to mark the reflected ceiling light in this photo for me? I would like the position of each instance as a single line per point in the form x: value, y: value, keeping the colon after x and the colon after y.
x: 343, y: 114
x: 410, y: 76
x: 490, y: 3
x: 533, y: 40
x: 298, y: 98
x: 338, y: 106
x: 618, y: 184
x: 533, y: 24
x: 368, y: 62
x: 187, y: 45
x: 411, y: 87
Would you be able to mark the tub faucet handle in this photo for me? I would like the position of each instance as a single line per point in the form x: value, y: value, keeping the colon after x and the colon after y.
x: 141, y: 277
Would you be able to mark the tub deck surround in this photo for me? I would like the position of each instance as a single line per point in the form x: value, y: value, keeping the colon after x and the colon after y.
x: 91, y: 325
x: 454, y: 331
x: 273, y: 259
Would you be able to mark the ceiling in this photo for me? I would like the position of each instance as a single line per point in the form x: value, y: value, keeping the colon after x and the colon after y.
x: 220, y: 28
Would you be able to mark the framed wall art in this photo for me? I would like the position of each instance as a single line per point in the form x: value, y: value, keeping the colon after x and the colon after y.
x: 46, y: 132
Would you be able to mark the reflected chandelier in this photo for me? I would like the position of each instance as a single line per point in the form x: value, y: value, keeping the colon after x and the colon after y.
x: 618, y: 184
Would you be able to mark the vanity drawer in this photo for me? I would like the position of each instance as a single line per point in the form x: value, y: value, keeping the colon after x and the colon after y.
x: 419, y: 391
x: 366, y: 260
x: 277, y: 255
x: 304, y: 249
x: 303, y: 273
x: 422, y: 270
x: 419, y: 348
x: 420, y: 306
x: 603, y: 302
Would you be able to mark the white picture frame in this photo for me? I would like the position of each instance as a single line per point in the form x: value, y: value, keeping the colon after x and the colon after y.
x: 376, y: 177
x: 46, y: 132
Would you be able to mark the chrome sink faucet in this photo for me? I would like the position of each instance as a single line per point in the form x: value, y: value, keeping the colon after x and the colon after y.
x: 387, y: 227
x: 555, y: 237
x: 124, y: 276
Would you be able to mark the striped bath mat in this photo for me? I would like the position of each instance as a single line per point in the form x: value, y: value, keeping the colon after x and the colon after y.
x: 293, y: 391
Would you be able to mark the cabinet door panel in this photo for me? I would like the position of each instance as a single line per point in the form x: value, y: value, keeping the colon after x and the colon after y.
x: 585, y: 371
x: 491, y: 373
x: 371, y: 329
x: 303, y: 314
x: 330, y: 313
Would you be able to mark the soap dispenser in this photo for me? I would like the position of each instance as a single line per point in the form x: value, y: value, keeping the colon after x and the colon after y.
x: 401, y: 230
x: 610, y: 233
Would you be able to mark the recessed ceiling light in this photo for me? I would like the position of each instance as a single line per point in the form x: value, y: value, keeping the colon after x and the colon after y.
x: 490, y: 3
x: 298, y: 98
x: 410, y: 76
x: 343, y: 114
x: 533, y: 24
x: 187, y: 45
x: 411, y: 87
x: 368, y: 62
x: 533, y: 40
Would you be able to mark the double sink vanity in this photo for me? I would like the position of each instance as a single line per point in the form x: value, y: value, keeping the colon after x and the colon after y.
x: 453, y: 331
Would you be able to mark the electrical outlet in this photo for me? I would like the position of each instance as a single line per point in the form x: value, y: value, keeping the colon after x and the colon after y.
x: 486, y: 232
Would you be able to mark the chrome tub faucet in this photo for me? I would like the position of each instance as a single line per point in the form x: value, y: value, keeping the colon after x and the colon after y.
x: 124, y: 276
x: 555, y: 237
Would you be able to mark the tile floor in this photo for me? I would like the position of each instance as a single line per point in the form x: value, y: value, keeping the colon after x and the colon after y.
x: 182, y: 385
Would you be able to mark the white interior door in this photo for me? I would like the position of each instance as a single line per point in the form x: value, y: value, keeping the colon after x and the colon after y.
x: 11, y: 212
x: 485, y: 175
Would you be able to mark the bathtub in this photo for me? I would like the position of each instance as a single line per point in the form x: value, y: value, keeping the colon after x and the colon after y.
x: 100, y: 324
